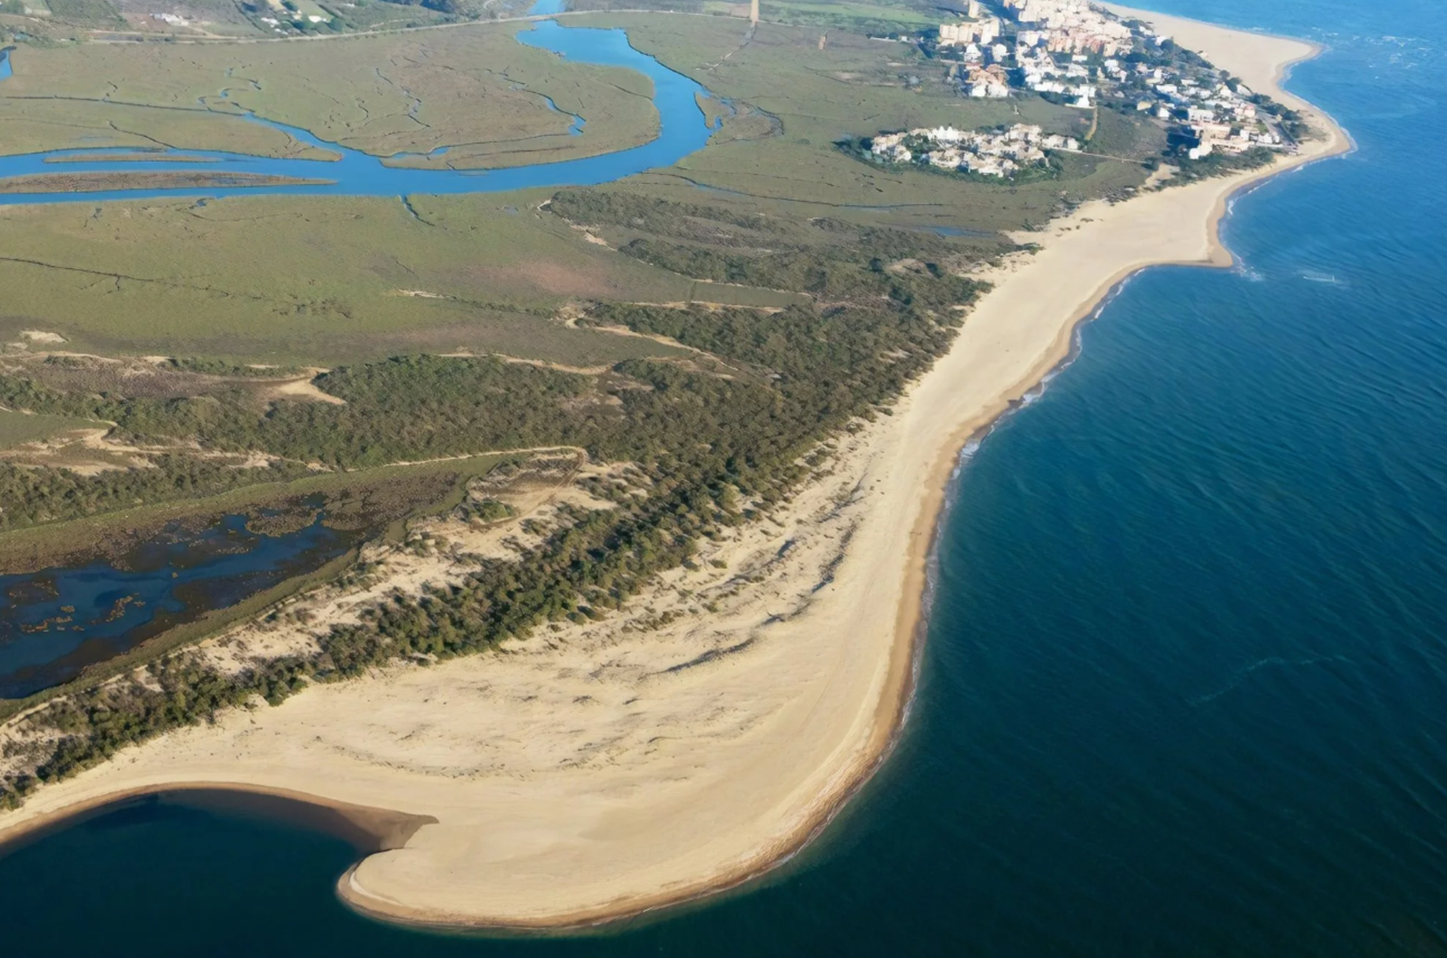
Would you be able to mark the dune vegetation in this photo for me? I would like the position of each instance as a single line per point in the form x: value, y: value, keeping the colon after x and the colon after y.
x: 711, y: 326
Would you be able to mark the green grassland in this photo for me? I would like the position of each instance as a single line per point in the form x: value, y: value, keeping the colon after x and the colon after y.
x: 856, y: 17
x: 34, y: 124
x: 475, y: 88
x: 320, y: 281
x: 201, y: 179
x: 380, y: 14
x: 91, y: 13
x: 213, y: 17
x: 17, y: 428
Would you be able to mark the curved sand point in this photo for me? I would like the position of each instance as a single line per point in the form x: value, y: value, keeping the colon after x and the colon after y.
x: 596, y: 773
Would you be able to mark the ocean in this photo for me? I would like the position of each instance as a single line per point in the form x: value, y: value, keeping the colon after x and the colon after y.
x: 1185, y: 685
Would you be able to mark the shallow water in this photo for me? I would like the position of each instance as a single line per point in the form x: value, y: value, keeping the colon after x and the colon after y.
x: 683, y: 130
x: 1185, y: 688
x: 55, y: 622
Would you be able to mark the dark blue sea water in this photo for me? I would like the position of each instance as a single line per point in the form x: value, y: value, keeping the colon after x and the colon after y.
x: 1185, y: 688
x: 683, y: 129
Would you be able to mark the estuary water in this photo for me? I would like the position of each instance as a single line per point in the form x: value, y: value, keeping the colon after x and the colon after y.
x: 1185, y: 686
x: 683, y: 129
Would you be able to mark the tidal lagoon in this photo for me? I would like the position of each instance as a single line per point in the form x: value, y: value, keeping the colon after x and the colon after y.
x: 683, y: 129
x: 1182, y: 692
x: 55, y: 622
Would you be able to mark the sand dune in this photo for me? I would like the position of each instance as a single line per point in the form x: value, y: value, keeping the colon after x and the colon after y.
x: 595, y: 772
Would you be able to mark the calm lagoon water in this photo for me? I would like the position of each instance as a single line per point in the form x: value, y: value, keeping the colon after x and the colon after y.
x: 55, y: 622
x: 1185, y: 688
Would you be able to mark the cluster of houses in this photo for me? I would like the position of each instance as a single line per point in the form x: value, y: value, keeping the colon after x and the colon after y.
x: 978, y: 28
x: 1077, y: 52
x: 1069, y: 26
x: 275, y: 24
x: 1045, y: 28
x: 286, y: 17
x: 1220, y: 118
x: 979, y: 39
x: 1001, y: 152
x: 1044, y: 74
x: 992, y: 82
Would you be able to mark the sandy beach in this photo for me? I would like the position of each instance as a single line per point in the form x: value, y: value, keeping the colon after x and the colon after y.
x: 596, y: 772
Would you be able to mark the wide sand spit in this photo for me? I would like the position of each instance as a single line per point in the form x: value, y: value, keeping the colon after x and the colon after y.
x: 601, y: 772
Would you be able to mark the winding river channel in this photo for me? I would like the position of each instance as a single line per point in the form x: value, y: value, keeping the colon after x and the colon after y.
x: 683, y: 129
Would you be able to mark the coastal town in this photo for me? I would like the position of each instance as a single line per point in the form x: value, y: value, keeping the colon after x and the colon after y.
x: 1076, y: 54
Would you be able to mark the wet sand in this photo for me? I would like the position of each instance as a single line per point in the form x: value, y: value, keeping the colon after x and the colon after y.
x: 594, y: 773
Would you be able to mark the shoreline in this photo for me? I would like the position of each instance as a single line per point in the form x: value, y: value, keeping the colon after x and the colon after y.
x: 943, y: 416
x: 369, y: 830
x: 913, y: 617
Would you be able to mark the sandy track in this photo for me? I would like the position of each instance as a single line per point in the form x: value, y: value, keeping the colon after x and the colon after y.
x: 688, y: 744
